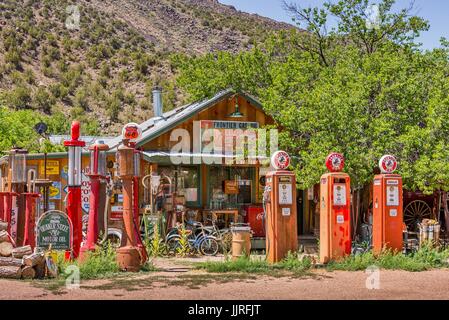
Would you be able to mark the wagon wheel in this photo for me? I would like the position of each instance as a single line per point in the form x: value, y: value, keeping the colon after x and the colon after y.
x: 415, y: 212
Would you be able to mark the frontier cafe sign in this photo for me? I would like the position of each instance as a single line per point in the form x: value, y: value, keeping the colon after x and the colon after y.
x: 223, y: 133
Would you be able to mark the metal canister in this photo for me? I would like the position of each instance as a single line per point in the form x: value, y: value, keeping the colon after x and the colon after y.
x: 241, y: 240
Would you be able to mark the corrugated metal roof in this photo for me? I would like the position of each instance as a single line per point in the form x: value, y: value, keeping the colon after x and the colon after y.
x: 59, y: 139
x: 154, y: 127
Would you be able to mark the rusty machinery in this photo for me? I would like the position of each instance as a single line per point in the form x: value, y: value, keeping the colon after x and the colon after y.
x: 335, y: 220
x: 280, y: 209
x: 387, y: 207
x: 128, y: 255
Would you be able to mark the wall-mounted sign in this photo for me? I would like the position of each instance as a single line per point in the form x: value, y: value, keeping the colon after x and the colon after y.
x: 335, y: 162
x: 55, y: 190
x: 54, y: 228
x: 52, y: 167
x: 224, y: 135
x: 388, y: 164
x: 231, y: 187
x: 280, y: 160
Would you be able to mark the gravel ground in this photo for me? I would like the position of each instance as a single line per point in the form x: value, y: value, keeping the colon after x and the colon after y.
x: 182, y: 283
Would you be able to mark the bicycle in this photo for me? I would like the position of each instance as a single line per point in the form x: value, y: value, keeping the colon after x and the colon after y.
x: 199, y: 239
x: 223, y: 236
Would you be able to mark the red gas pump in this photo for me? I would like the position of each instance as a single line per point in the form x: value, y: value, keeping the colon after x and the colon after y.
x: 128, y: 256
x: 387, y: 207
x: 280, y: 207
x: 31, y: 197
x: 335, y: 220
x: 74, y: 188
x: 97, y: 173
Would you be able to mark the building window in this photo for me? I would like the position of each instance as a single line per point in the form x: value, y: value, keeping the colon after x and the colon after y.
x: 185, y: 182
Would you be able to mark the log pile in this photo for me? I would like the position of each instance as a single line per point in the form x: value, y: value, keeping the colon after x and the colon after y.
x: 19, y: 262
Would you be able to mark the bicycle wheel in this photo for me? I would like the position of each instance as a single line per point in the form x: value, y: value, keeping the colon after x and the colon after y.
x: 209, y: 246
x: 173, y: 243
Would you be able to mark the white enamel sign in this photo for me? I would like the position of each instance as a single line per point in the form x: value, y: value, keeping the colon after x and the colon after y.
x: 339, y: 194
x: 392, y: 196
x: 285, y: 193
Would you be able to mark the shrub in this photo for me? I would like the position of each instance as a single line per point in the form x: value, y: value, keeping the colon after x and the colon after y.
x: 99, y: 264
x: 42, y: 100
x: 18, y: 98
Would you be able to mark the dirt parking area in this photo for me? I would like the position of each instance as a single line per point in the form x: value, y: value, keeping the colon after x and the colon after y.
x: 181, y: 281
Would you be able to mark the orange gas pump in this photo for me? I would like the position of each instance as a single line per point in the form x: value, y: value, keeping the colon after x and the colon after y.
x: 387, y: 207
x: 280, y: 209
x: 335, y: 219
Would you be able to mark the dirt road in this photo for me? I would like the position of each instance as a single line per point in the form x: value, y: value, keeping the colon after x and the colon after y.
x: 191, y: 284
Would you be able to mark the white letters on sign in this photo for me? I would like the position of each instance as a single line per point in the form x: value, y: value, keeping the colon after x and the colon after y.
x: 339, y: 195
x: 392, y: 196
x: 285, y: 193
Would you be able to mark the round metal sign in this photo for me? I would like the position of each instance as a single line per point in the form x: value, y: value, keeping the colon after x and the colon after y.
x: 335, y: 162
x: 131, y: 132
x: 280, y: 160
x: 388, y: 164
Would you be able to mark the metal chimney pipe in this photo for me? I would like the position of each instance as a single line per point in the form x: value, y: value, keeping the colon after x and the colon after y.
x: 157, y: 102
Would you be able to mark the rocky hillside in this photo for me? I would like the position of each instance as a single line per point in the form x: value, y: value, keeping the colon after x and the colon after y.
x: 98, y: 60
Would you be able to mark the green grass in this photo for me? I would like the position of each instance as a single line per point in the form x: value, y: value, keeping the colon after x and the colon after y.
x: 290, y: 264
x: 426, y: 258
x: 101, y: 263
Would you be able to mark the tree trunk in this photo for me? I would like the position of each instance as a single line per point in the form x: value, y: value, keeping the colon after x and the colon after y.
x: 3, y: 226
x: 6, y: 249
x: 28, y: 273
x: 10, y: 272
x: 33, y: 259
x: 19, y: 252
x: 446, y: 212
x: 4, y: 236
x: 10, y: 262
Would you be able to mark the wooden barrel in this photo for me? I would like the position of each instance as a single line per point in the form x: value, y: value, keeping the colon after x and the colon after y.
x: 241, y: 241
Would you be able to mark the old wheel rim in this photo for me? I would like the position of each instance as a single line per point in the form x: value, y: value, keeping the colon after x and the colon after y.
x: 415, y: 212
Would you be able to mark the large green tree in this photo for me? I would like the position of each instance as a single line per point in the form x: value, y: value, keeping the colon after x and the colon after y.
x: 362, y: 87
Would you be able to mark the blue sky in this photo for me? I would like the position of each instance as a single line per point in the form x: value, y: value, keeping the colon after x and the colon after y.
x: 435, y: 11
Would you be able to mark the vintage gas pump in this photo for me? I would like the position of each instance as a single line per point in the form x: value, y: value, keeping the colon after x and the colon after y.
x: 387, y: 207
x: 31, y: 209
x: 16, y: 204
x: 128, y: 256
x: 280, y: 209
x: 97, y: 173
x: 74, y: 188
x: 335, y: 219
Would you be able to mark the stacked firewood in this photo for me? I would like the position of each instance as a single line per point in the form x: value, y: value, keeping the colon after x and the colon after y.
x: 19, y: 262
